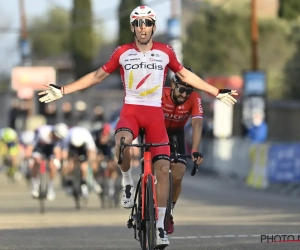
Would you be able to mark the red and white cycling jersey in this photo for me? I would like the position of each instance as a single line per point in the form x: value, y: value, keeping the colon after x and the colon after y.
x: 143, y: 74
x: 176, y: 116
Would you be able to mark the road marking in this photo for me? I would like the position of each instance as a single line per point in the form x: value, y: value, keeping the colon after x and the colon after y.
x: 225, y: 236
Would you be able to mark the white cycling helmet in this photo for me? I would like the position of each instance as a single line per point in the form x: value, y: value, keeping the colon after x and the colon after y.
x: 77, y: 140
x: 27, y: 137
x: 142, y: 11
x: 61, y: 130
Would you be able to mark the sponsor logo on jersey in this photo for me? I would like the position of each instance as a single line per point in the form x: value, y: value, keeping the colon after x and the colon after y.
x: 183, y: 111
x: 143, y: 65
x: 176, y: 117
x: 156, y: 55
x: 199, y: 105
x: 155, y: 60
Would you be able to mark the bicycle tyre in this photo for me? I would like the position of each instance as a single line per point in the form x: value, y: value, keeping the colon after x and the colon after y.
x: 42, y: 191
x: 169, y: 203
x: 150, y: 214
x: 77, y: 184
x: 142, y: 234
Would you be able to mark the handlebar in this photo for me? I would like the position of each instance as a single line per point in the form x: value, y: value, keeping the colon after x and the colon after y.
x: 174, y: 143
x: 123, y: 145
x: 195, y: 165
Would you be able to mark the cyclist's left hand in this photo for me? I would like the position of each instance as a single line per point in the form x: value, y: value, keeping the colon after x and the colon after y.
x: 198, y: 157
x: 226, y: 96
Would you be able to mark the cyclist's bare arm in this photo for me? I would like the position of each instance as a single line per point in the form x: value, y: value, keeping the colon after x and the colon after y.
x: 196, y: 134
x: 86, y: 81
x: 192, y: 79
x: 57, y: 152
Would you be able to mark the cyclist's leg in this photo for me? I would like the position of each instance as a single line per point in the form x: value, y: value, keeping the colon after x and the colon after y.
x: 178, y: 169
x: 135, y: 154
x: 37, y: 158
x: 51, y: 152
x: 156, y: 133
x: 14, y: 154
x: 127, y: 127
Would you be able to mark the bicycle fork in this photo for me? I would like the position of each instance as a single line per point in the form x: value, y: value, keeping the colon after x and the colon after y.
x: 147, y: 172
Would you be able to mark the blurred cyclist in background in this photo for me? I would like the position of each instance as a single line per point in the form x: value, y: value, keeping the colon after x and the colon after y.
x: 26, y: 139
x: 10, y: 152
x: 79, y: 142
x: 48, y: 144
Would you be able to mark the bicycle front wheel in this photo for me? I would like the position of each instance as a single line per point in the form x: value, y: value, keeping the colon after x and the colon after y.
x: 150, y: 214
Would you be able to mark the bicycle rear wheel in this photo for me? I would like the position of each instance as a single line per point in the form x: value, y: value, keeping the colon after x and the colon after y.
x: 169, y: 203
x: 150, y: 214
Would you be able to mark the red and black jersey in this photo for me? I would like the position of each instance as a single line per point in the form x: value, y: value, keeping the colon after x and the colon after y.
x: 176, y: 116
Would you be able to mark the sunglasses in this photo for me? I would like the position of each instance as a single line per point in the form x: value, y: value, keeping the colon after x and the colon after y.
x: 181, y: 90
x: 139, y: 22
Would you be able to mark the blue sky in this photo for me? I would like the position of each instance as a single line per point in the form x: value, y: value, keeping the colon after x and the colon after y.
x: 9, y: 12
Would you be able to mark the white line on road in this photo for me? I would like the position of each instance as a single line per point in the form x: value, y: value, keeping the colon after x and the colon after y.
x: 225, y: 236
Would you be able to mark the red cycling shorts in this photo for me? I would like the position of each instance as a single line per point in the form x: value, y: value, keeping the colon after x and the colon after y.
x: 134, y: 117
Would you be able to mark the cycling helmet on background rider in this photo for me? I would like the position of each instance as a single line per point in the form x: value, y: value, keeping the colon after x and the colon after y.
x: 60, y: 130
x: 27, y: 137
x: 142, y: 11
x: 176, y: 79
x: 9, y: 135
x: 78, y: 140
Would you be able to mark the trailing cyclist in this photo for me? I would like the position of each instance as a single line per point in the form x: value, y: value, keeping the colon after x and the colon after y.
x: 79, y: 143
x: 10, y: 152
x: 108, y: 173
x: 47, y: 143
x: 180, y: 102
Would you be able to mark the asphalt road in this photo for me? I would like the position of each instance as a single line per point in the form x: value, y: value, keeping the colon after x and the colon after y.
x: 211, y: 214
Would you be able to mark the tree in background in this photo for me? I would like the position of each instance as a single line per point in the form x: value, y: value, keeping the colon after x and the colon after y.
x: 125, y: 8
x: 82, y: 43
x: 49, y: 34
x: 289, y: 9
x: 218, y: 43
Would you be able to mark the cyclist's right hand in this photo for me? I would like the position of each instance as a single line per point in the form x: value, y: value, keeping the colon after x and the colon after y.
x: 53, y: 93
x: 197, y: 156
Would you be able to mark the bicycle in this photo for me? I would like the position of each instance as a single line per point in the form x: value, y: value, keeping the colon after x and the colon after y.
x: 43, y: 183
x: 77, y: 179
x: 143, y: 214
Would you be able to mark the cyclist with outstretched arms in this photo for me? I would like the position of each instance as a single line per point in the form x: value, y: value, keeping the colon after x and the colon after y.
x: 180, y: 102
x: 143, y: 67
